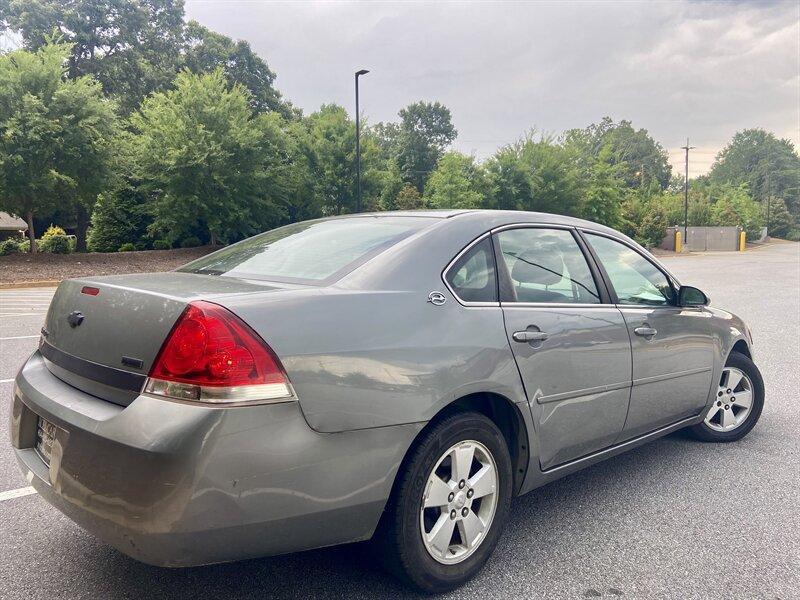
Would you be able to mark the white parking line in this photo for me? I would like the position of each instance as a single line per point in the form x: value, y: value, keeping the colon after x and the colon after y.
x: 20, y: 314
x: 19, y: 337
x: 6, y: 380
x: 18, y: 493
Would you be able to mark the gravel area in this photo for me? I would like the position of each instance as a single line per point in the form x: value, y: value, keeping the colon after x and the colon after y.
x: 55, y: 267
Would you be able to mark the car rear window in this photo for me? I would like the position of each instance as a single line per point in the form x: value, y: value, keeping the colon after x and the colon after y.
x: 310, y: 252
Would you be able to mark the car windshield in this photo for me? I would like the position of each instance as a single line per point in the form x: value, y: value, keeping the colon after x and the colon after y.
x: 309, y: 252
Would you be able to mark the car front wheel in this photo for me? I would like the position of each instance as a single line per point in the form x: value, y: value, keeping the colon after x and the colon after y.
x: 449, y: 505
x: 737, y: 405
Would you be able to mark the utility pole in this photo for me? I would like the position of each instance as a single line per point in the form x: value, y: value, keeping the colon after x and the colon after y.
x: 769, y: 188
x: 687, y: 147
x: 358, y: 146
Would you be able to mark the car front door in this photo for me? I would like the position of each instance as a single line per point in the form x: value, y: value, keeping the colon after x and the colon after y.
x: 570, y: 344
x: 673, y: 356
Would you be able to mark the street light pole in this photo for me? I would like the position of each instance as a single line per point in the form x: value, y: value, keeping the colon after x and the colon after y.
x: 358, y: 146
x: 687, y: 147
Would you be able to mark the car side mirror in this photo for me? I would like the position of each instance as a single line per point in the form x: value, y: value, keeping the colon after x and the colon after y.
x: 691, y: 296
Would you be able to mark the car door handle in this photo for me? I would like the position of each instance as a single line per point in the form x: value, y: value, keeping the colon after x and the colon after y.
x: 645, y: 331
x: 529, y: 336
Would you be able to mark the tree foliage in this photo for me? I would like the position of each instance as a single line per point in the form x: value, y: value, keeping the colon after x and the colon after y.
x: 132, y: 47
x: 640, y: 158
x: 457, y: 182
x: 205, y: 149
x: 424, y: 132
x: 766, y: 164
x: 55, y: 134
x: 211, y: 165
x: 206, y: 51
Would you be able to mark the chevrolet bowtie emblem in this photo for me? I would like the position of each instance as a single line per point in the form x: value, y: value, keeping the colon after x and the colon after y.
x: 75, y: 318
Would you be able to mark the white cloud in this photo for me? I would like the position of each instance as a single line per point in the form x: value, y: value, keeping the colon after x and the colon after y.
x: 703, y: 70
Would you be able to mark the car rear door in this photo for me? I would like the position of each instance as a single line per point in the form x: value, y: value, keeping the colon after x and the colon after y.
x: 673, y: 355
x: 570, y: 344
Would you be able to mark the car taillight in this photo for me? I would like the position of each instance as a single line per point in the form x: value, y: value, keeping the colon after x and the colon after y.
x: 212, y: 356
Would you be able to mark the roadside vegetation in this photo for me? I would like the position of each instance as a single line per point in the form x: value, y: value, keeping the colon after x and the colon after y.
x: 136, y: 130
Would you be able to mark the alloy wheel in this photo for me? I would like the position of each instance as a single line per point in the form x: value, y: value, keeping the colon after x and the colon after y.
x: 733, y: 403
x: 459, y: 502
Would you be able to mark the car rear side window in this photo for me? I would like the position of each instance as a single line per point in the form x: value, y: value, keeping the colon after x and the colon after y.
x: 472, y: 277
x: 635, y: 279
x: 312, y: 252
x: 545, y: 266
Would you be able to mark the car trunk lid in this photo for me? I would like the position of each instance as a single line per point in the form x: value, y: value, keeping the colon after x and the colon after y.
x: 102, y: 334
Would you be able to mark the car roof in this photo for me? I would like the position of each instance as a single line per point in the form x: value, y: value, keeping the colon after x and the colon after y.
x: 493, y: 218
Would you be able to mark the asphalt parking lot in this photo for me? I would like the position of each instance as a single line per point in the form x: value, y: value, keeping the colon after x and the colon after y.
x: 673, y: 519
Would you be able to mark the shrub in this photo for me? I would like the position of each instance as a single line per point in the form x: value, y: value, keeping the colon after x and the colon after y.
x: 190, y: 242
x: 127, y: 247
x: 653, y: 227
x: 56, y: 244
x: 118, y: 218
x: 793, y: 235
x: 9, y: 246
x: 53, y: 231
x: 162, y: 245
x: 781, y: 221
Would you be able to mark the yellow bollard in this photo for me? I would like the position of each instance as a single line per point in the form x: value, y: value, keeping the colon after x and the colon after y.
x: 742, y: 241
x: 678, y: 241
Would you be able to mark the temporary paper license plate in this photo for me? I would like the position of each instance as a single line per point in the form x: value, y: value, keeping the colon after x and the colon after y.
x: 45, y: 438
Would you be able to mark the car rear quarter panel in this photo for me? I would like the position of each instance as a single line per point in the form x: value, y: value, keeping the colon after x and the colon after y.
x: 379, y: 358
x: 372, y: 351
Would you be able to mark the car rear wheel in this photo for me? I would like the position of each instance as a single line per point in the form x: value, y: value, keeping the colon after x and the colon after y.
x: 738, y: 403
x: 449, y: 504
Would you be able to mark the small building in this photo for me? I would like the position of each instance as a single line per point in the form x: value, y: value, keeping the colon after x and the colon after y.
x: 11, y: 226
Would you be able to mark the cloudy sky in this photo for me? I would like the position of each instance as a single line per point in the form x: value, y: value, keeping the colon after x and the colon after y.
x: 697, y: 69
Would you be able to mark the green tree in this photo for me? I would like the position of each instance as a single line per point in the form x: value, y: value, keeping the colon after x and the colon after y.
x: 409, y: 199
x: 457, y: 182
x: 735, y: 206
x: 653, y: 226
x: 88, y: 124
x: 766, y: 164
x: 554, y: 177
x: 132, y: 47
x: 300, y: 163
x: 189, y: 139
x: 781, y: 221
x: 425, y: 131
x: 509, y: 184
x: 605, y: 188
x: 54, y: 135
x: 333, y: 136
x: 641, y: 159
x: 206, y: 50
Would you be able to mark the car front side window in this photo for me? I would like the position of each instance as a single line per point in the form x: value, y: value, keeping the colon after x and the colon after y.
x: 635, y: 279
x: 545, y: 266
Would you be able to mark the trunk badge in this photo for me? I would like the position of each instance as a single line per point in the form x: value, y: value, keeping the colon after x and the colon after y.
x: 75, y: 318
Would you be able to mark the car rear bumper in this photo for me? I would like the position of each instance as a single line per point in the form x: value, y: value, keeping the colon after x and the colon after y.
x: 176, y: 484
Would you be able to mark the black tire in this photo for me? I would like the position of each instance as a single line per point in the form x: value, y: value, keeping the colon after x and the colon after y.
x: 399, y: 538
x: 704, y: 433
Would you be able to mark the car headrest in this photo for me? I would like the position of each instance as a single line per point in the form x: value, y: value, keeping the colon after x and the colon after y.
x: 544, y: 266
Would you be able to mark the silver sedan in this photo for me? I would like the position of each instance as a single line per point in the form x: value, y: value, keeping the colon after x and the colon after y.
x: 395, y: 376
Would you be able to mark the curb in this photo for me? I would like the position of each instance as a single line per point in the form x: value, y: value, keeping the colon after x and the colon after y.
x: 29, y: 284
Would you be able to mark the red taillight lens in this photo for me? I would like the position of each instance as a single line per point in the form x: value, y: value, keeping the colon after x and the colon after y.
x: 210, y: 347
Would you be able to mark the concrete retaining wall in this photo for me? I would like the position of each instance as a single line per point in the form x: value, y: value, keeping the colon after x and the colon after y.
x: 704, y: 239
